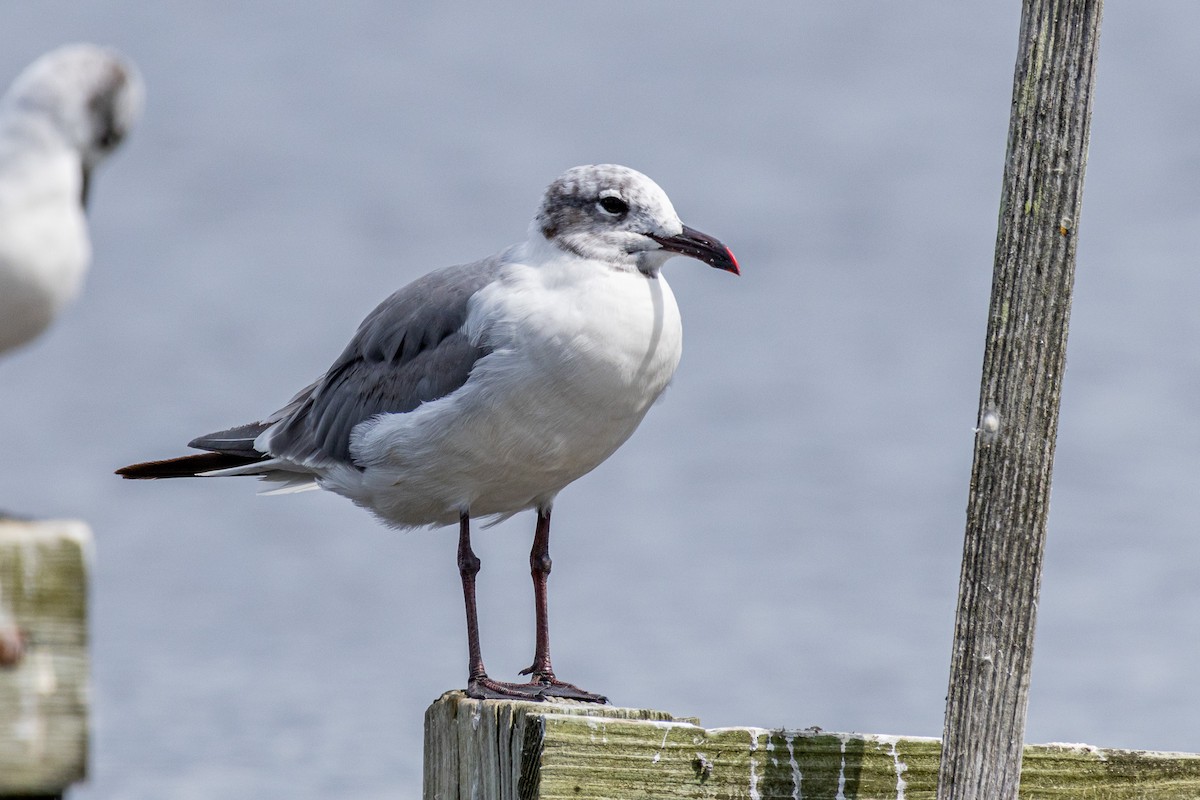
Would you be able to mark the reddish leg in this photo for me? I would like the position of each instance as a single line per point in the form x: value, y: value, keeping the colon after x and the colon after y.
x: 479, y: 685
x: 540, y: 671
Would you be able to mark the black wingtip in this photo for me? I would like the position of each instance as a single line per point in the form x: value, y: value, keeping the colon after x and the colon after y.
x: 184, y: 466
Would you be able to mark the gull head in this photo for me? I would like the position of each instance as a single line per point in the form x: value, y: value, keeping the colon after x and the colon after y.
x: 86, y: 96
x: 617, y: 215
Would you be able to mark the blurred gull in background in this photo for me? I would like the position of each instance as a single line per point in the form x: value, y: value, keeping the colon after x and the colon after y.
x: 60, y: 118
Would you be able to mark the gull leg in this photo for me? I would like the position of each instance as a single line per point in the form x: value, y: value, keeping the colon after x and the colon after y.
x: 540, y: 671
x: 479, y: 685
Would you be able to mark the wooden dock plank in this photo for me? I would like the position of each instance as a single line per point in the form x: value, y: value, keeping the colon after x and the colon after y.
x: 498, y: 750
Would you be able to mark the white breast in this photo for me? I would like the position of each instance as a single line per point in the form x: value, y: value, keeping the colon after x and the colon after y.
x: 44, y: 247
x: 580, y: 351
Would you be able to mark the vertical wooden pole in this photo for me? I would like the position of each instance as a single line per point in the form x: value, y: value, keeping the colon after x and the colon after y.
x: 1023, y: 366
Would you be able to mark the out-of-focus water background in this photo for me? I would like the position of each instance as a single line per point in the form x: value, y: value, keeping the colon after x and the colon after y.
x: 779, y: 544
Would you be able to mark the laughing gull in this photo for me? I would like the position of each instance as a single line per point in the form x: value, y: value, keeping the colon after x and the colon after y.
x: 63, y: 114
x: 482, y: 390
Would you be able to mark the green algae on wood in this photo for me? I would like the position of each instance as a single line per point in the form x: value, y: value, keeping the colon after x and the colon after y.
x: 44, y: 695
x: 499, y: 750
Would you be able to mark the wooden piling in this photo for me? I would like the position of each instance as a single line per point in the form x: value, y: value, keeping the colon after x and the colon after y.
x: 1024, y: 362
x: 502, y: 750
x: 44, y: 569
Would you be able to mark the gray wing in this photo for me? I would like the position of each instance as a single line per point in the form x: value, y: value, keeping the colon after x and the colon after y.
x: 411, y: 349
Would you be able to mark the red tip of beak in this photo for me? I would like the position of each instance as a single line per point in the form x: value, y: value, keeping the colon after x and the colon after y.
x: 700, y: 246
x: 732, y: 260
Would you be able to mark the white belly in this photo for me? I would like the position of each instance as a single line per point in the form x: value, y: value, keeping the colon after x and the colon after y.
x: 577, y: 362
x: 44, y: 253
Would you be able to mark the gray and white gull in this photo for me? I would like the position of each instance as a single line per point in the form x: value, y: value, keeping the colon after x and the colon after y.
x: 482, y: 390
x: 62, y: 115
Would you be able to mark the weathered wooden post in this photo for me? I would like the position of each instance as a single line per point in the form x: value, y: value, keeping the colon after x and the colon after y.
x: 1023, y: 369
x: 43, y: 656
x: 514, y: 750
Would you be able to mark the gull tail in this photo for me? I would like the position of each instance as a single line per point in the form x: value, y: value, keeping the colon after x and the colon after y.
x: 231, y: 449
x: 188, y: 466
x: 231, y: 452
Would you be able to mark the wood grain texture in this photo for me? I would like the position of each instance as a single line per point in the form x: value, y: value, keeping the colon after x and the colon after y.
x: 44, y: 569
x: 1024, y: 362
x: 499, y: 750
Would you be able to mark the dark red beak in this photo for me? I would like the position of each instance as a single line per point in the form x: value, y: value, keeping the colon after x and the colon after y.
x: 700, y: 246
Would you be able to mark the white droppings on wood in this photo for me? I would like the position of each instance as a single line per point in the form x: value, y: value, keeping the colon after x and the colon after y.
x: 662, y: 746
x: 754, y: 793
x: 44, y: 676
x: 35, y: 680
x: 661, y: 724
x: 901, y: 768
x: 841, y: 792
x: 596, y: 726
x: 1088, y: 749
x: 797, y: 776
x: 989, y: 426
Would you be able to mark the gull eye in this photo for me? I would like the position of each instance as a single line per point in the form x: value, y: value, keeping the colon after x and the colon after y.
x: 614, y: 205
x: 108, y: 139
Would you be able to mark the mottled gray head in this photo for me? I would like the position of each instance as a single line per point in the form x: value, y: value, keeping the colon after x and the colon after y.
x: 616, y: 214
x: 91, y: 96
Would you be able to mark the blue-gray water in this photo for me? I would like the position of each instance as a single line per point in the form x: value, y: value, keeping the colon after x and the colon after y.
x: 779, y: 545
